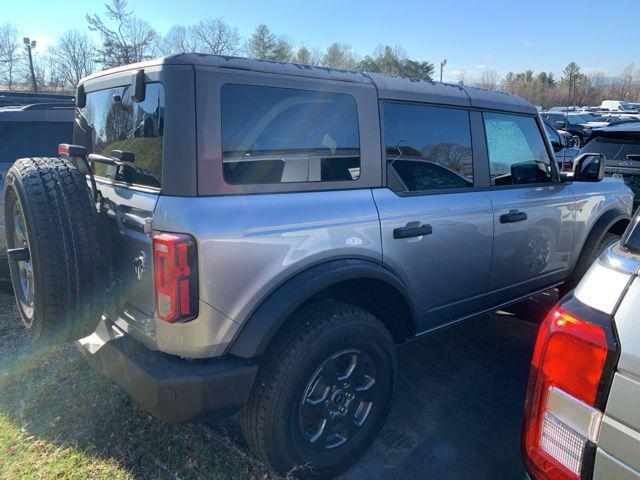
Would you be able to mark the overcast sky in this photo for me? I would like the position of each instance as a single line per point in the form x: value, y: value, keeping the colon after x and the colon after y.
x: 499, y: 35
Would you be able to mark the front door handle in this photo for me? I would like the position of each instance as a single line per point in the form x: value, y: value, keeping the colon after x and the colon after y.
x: 513, y: 216
x: 412, y: 230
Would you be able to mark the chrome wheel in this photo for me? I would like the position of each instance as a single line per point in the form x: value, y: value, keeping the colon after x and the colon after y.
x: 337, y: 400
x: 25, y: 291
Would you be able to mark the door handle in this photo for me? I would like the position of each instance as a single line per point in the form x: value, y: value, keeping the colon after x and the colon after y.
x: 513, y: 216
x: 412, y: 230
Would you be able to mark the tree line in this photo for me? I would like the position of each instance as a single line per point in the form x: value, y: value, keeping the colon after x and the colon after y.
x: 125, y: 38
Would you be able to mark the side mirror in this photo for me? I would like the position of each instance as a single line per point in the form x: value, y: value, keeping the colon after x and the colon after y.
x: 123, y: 155
x: 559, y: 124
x: 589, y: 167
x: 138, y: 87
x: 81, y: 97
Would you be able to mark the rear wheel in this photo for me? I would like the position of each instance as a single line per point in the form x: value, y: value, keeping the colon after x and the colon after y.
x: 55, y: 255
x: 323, y: 391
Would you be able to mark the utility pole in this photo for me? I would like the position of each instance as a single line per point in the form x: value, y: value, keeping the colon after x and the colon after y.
x: 30, y: 44
x: 442, y: 64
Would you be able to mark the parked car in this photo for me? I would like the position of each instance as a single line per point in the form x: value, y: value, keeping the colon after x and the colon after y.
x: 614, y: 119
x: 562, y: 143
x: 581, y: 417
x: 305, y: 221
x: 617, y: 106
x: 620, y: 145
x: 578, y: 124
x: 25, y: 131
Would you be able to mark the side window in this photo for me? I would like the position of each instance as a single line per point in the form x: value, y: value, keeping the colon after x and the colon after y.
x: 279, y: 135
x: 112, y: 121
x: 552, y: 134
x: 517, y: 153
x: 427, y: 148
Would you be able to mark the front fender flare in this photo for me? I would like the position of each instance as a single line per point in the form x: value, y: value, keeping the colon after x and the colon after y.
x: 272, y: 312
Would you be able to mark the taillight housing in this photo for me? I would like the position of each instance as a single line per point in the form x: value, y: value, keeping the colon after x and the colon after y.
x: 571, y: 372
x: 175, y: 276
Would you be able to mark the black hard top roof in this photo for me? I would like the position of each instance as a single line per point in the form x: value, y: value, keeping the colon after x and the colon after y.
x: 388, y: 86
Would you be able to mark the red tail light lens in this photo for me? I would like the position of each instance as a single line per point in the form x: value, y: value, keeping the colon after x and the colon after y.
x: 175, y: 277
x: 567, y: 368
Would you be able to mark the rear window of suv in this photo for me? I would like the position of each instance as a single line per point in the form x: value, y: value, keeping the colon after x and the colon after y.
x: 32, y: 139
x: 614, y: 147
x: 112, y: 121
x: 279, y: 135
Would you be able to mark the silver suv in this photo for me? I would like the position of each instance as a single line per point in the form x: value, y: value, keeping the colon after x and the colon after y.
x: 582, y: 419
x: 258, y: 236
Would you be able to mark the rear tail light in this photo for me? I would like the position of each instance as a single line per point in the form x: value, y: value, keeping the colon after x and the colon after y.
x: 175, y: 275
x: 570, y: 368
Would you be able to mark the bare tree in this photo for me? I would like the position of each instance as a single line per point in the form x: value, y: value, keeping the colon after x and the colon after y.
x: 9, y: 55
x: 177, y: 40
x: 488, y: 79
x: 217, y: 37
x: 73, y: 57
x: 127, y: 40
x: 339, y: 55
x: 305, y: 56
x: 463, y: 77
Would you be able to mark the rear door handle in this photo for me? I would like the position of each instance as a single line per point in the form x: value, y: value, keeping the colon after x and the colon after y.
x: 412, y: 231
x: 513, y: 216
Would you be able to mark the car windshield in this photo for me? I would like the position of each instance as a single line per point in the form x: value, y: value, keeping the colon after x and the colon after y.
x: 616, y: 147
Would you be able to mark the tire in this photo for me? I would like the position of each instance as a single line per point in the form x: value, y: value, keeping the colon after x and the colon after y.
x: 608, y: 240
x: 49, y: 210
x: 290, y: 396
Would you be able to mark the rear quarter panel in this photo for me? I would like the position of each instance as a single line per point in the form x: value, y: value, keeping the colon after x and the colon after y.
x: 250, y: 244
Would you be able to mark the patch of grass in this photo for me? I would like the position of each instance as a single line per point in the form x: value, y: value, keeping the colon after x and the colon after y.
x: 59, y: 419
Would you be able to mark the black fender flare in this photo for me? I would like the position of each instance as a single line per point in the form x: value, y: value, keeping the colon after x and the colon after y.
x: 600, y: 228
x: 265, y: 321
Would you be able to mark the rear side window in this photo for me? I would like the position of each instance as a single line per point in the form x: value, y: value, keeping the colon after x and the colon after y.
x: 112, y: 121
x: 32, y: 139
x: 427, y: 148
x: 517, y: 152
x: 280, y: 135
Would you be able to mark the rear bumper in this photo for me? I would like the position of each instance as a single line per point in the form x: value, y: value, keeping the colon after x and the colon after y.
x: 170, y: 388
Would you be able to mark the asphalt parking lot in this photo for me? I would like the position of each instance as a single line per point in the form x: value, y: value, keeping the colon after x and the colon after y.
x: 459, y: 403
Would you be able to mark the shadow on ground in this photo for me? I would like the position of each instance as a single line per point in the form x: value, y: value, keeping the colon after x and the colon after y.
x: 457, y: 412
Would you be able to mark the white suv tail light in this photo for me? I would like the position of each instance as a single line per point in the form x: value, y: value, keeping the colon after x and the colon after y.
x: 571, y: 372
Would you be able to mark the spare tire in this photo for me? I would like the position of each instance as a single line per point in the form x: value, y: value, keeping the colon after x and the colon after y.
x: 58, y: 271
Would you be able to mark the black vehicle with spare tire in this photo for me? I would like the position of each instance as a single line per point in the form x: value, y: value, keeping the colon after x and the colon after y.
x: 239, y: 236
